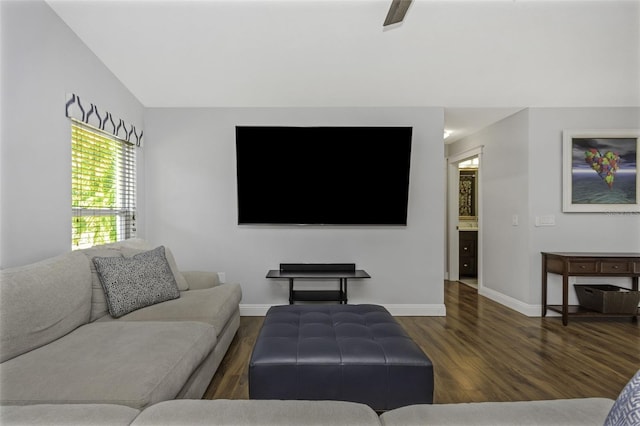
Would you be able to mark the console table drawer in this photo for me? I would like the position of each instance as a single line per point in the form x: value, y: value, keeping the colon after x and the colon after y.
x: 583, y: 267
x: 613, y: 267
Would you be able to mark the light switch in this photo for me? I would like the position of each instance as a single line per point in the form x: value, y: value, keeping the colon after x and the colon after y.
x: 514, y: 220
x: 546, y: 220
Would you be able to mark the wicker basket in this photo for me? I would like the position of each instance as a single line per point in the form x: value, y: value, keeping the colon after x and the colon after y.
x: 608, y: 299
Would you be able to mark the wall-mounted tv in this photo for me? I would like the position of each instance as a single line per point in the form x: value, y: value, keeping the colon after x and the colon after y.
x: 323, y: 175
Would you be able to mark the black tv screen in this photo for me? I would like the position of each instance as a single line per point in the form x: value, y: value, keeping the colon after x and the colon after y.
x: 323, y: 175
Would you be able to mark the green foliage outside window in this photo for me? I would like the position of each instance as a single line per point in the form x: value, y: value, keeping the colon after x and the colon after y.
x: 97, y: 175
x: 94, y: 230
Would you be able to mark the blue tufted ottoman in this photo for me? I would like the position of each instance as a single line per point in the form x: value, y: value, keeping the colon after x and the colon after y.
x: 353, y: 353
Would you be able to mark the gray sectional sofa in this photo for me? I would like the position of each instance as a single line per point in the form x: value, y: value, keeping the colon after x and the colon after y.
x: 578, y: 412
x: 59, y: 345
x: 64, y: 360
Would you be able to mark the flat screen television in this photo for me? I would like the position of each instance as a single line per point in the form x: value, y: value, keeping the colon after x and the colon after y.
x: 323, y: 175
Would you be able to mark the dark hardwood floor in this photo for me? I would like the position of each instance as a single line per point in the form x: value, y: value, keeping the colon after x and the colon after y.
x: 483, y: 351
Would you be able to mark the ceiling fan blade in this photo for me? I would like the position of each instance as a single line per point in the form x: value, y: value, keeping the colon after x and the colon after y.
x: 396, y: 12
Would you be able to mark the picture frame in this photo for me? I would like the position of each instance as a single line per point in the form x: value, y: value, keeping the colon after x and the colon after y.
x: 600, y: 171
x: 467, y: 196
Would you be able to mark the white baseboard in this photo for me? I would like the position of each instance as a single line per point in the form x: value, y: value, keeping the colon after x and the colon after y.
x: 510, y: 302
x: 254, y: 310
x: 399, y: 310
x: 412, y: 310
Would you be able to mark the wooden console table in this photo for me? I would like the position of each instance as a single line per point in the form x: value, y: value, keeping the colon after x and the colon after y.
x: 583, y: 265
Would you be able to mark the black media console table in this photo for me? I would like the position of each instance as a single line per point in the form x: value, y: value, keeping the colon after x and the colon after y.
x: 317, y: 271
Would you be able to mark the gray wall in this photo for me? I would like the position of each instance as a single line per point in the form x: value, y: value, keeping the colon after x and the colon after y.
x: 504, y: 173
x: 191, y: 206
x: 191, y: 177
x: 573, y: 231
x: 522, y: 174
x: 189, y: 201
x: 42, y: 60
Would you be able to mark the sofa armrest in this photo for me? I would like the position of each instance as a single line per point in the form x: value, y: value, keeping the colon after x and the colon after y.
x: 201, y: 279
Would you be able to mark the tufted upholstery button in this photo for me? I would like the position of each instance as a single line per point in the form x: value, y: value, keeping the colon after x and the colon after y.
x: 342, y: 352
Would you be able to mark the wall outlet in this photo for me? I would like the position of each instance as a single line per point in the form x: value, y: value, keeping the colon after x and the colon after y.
x: 222, y: 277
x: 514, y: 220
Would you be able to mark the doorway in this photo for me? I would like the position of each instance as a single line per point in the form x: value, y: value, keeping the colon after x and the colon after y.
x: 464, y: 218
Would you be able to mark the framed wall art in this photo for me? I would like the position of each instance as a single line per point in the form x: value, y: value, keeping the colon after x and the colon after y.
x: 467, y: 199
x: 600, y: 171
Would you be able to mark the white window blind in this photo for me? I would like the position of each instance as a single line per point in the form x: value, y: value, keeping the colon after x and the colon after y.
x: 103, y: 187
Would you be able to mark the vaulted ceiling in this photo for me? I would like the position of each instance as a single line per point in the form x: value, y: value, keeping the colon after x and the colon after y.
x: 482, y: 57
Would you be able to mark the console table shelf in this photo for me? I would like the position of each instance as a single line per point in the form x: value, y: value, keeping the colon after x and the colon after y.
x: 318, y: 296
x: 577, y: 264
x: 579, y: 311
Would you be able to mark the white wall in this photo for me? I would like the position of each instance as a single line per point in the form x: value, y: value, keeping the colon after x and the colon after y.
x: 573, y: 231
x: 42, y: 60
x: 191, y: 194
x: 191, y: 207
x: 522, y: 174
x: 504, y: 174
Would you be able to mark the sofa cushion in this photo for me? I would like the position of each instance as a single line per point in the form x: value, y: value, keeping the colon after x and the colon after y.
x: 67, y: 414
x: 626, y: 409
x: 136, y: 243
x: 117, y: 362
x: 212, y: 306
x: 252, y: 413
x: 133, y: 246
x: 201, y: 279
x: 560, y: 412
x: 180, y: 279
x: 42, y: 302
x: 99, y: 306
x: 126, y: 248
x: 133, y: 283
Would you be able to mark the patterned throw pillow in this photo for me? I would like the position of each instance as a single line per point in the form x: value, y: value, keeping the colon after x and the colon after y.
x: 132, y: 283
x: 626, y: 409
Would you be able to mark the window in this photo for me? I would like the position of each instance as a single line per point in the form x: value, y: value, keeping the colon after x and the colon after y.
x: 103, y: 185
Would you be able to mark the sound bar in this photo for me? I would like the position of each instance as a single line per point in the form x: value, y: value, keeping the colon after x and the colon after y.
x: 317, y: 267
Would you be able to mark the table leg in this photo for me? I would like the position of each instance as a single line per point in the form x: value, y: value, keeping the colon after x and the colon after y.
x: 565, y: 298
x: 345, y: 291
x: 634, y: 287
x: 291, y: 291
x: 544, y: 285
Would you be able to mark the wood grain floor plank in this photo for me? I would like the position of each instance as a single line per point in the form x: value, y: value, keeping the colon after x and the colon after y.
x: 483, y: 351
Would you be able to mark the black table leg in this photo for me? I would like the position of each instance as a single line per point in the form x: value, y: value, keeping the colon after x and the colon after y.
x: 345, y: 291
x: 291, y: 291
